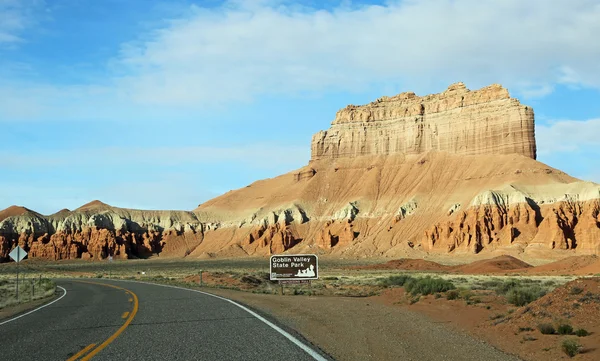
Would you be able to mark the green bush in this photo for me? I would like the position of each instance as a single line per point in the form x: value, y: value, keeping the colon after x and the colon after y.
x: 571, y: 347
x: 506, y: 286
x: 452, y: 295
x: 520, y: 296
x: 564, y: 329
x: 546, y: 329
x: 395, y: 280
x: 581, y: 332
x: 428, y: 285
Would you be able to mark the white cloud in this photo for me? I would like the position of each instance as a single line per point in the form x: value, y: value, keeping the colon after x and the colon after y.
x: 567, y: 136
x: 242, y: 50
x: 237, y: 52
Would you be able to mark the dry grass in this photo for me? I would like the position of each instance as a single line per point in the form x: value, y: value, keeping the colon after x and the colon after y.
x: 336, y: 276
x: 29, y: 290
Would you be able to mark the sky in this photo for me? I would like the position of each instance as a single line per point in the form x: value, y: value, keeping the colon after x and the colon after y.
x: 157, y: 104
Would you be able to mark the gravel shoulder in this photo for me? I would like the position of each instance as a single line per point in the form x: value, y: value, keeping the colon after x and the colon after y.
x: 367, y: 329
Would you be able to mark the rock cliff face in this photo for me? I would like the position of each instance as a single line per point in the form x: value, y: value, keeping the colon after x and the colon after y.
x: 459, y: 121
x: 406, y: 176
x: 97, y: 230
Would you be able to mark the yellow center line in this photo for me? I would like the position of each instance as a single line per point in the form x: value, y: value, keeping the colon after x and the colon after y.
x: 83, y: 351
x: 125, y: 314
x: 122, y: 328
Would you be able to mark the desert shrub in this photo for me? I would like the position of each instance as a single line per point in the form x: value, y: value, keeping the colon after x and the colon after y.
x: 564, y: 329
x: 520, y: 296
x: 99, y: 275
x: 415, y: 300
x: 473, y: 301
x: 576, y: 290
x: 330, y: 278
x: 465, y: 294
x: 428, y: 285
x: 251, y: 280
x: 589, y: 297
x: 437, y: 295
x: 546, y: 329
x: 581, y: 332
x: 452, y: 295
x: 491, y: 284
x: 399, y: 280
x: 571, y: 347
x: 529, y: 338
x: 506, y: 286
x: 521, y: 329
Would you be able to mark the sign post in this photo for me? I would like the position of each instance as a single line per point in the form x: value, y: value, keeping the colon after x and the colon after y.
x: 294, y: 269
x: 109, y: 268
x: 17, y: 254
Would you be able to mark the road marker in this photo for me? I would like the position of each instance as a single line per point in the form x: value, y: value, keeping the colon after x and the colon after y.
x: 122, y: 328
x: 125, y: 314
x: 17, y: 254
x: 82, y: 352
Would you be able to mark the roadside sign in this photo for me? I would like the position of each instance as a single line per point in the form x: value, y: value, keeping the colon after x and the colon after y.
x: 294, y: 267
x: 109, y: 258
x: 18, y: 254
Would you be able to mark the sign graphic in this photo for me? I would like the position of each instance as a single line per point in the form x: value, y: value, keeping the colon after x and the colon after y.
x: 295, y: 267
x: 18, y: 254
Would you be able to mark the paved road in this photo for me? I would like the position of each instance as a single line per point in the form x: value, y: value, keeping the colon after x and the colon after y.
x: 112, y: 320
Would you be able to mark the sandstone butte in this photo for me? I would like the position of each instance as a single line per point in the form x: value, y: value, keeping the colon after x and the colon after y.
x: 450, y: 174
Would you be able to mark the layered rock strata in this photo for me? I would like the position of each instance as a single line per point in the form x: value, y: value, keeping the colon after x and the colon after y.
x: 459, y: 121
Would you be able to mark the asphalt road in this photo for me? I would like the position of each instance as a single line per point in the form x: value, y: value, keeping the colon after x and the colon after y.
x: 113, y: 320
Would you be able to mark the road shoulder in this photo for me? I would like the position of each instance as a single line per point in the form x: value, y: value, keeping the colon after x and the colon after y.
x: 16, y: 310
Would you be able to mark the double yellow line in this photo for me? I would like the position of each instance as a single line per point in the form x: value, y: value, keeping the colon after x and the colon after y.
x: 128, y: 315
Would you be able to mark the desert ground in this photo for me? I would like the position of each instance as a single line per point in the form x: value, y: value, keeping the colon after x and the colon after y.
x: 361, y: 307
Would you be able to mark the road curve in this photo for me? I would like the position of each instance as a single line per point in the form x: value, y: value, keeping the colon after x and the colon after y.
x: 117, y: 320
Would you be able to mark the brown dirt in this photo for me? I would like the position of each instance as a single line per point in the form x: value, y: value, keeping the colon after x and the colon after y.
x: 506, y: 326
x: 368, y: 328
x: 406, y: 264
x: 12, y: 211
x: 578, y: 265
x: 499, y: 264
x: 577, y: 303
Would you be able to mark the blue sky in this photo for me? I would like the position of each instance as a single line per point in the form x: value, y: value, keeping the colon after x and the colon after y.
x: 165, y: 104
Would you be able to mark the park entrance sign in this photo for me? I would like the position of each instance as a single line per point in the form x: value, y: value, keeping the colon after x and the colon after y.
x: 294, y: 267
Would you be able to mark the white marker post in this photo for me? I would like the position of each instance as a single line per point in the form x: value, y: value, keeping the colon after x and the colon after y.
x: 17, y: 254
x: 109, y: 268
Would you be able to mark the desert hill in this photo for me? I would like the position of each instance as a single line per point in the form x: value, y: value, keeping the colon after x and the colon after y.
x: 405, y: 176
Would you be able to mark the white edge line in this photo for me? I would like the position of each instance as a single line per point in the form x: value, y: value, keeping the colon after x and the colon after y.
x: 37, y: 309
x: 297, y: 342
